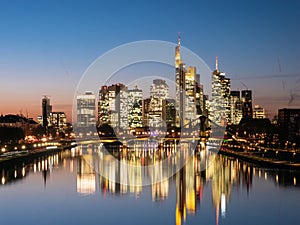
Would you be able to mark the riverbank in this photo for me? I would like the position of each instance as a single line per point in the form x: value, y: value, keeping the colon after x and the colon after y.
x: 24, y: 156
x: 259, y: 159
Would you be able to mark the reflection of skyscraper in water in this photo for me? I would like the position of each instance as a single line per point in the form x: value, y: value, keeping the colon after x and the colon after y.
x: 160, y: 185
x: 118, y: 175
x: 185, y: 191
x: 223, y: 173
x: 220, y: 175
x: 86, y: 177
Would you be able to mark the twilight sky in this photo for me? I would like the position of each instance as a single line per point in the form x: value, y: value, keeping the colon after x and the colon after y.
x: 45, y: 46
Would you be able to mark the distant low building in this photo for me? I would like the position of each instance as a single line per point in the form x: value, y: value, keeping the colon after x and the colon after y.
x: 19, y: 121
x: 259, y: 112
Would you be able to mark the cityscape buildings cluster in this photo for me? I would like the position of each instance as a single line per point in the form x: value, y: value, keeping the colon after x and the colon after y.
x: 124, y: 108
x: 49, y: 118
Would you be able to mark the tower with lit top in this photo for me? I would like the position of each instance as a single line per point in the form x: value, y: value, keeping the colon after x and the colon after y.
x: 220, y: 107
x: 186, y: 91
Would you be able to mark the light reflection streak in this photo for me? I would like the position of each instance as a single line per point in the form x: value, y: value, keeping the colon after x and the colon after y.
x: 203, y: 168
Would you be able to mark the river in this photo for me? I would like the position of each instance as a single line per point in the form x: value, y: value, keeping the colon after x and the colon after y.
x: 143, y: 185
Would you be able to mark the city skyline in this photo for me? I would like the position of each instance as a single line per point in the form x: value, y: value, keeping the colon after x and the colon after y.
x: 257, y: 44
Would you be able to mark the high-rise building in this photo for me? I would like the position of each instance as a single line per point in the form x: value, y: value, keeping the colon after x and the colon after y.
x: 289, y: 125
x: 113, y: 106
x: 86, y: 110
x: 46, y: 110
x: 58, y: 120
x: 220, y: 109
x: 135, y: 107
x: 159, y: 89
x: 259, y: 112
x: 236, y: 107
x: 247, y: 103
x: 187, y: 94
x: 170, y: 112
x: 155, y: 106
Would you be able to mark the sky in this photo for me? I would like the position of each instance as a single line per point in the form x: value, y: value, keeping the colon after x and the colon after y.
x: 46, y: 46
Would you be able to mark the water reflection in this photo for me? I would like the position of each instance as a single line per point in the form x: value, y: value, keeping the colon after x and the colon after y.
x: 98, y: 172
x: 202, y: 170
x: 19, y: 169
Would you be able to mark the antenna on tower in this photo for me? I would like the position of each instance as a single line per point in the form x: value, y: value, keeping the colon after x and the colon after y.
x: 179, y: 39
x: 217, y: 63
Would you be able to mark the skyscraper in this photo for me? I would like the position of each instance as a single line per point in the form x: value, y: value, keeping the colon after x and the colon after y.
x: 170, y: 112
x: 289, y: 125
x: 187, y: 94
x: 155, y: 106
x: 46, y: 110
x: 58, y: 120
x: 236, y: 107
x: 113, y: 106
x: 135, y: 107
x: 86, y: 110
x: 220, y: 110
x: 247, y: 103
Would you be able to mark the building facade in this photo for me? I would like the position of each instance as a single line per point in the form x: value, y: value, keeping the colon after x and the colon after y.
x: 259, y: 112
x: 154, y: 112
x: 58, y: 120
x: 188, y: 99
x: 46, y: 111
x: 135, y: 107
x: 236, y: 107
x: 220, y: 106
x: 86, y: 110
x: 289, y: 125
x: 113, y: 106
x: 247, y: 103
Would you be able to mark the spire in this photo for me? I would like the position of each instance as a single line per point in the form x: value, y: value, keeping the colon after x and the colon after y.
x: 217, y: 63
x: 177, y: 53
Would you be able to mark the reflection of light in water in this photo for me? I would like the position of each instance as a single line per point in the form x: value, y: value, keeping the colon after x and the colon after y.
x: 23, y: 171
x: 295, y: 182
x: 72, y: 166
x: 15, y: 173
x: 64, y: 163
x: 72, y: 152
x: 3, y: 180
x: 277, y: 178
x: 223, y: 205
x: 259, y: 173
x: 39, y: 166
x: 266, y: 175
x: 34, y: 167
x: 43, y: 165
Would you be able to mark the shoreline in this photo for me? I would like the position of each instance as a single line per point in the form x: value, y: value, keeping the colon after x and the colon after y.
x: 27, y: 157
x: 266, y: 162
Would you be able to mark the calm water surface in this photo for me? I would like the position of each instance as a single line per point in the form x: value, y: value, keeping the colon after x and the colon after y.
x: 81, y: 186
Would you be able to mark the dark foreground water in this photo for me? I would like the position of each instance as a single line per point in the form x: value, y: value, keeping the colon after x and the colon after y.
x: 81, y: 186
